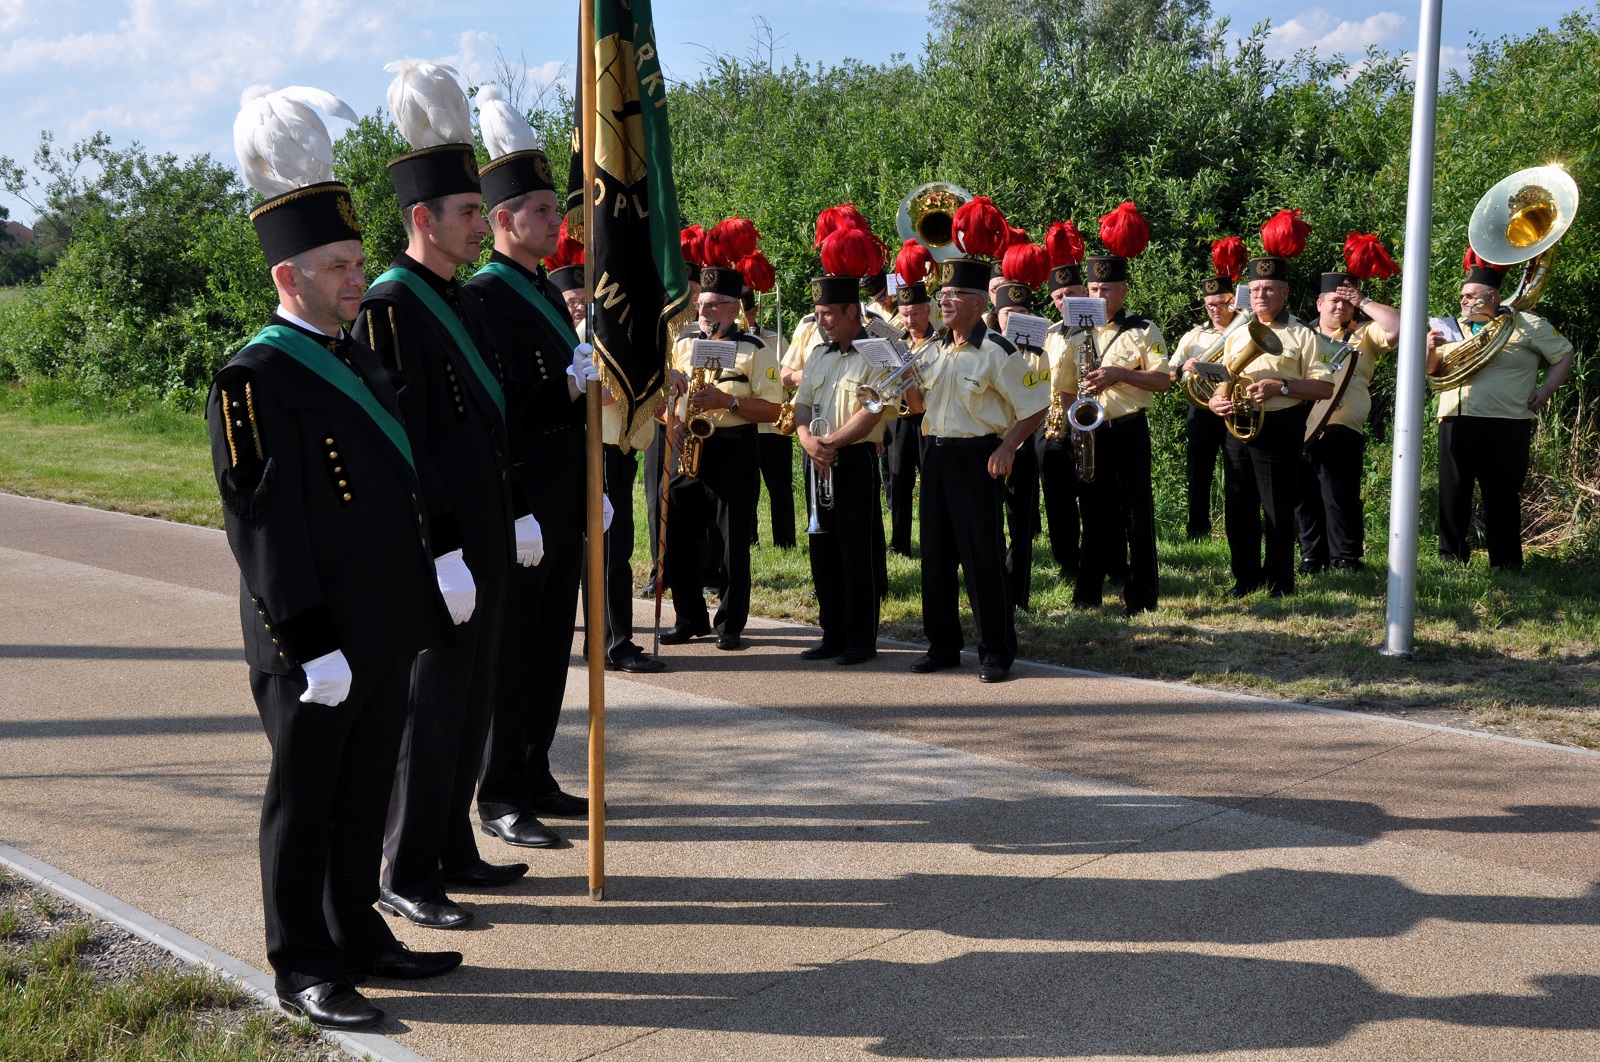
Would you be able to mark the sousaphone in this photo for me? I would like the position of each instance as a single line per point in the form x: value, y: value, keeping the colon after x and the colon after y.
x: 1521, y: 219
x: 928, y: 215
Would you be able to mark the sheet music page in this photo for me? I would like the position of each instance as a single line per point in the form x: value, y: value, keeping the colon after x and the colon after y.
x: 1241, y: 297
x: 1449, y: 326
x: 1026, y: 330
x: 716, y: 354
x: 1073, y: 311
x: 878, y: 353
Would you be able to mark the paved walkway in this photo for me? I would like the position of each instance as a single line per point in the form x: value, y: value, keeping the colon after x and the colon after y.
x: 814, y: 862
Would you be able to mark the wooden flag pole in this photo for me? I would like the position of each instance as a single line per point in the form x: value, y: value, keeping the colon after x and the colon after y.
x: 595, y: 621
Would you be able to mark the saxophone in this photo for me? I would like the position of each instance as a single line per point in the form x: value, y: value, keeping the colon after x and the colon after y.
x: 1086, y: 413
x: 697, y: 423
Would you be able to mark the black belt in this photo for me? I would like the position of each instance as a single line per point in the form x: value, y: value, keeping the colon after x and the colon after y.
x: 1125, y: 416
x: 739, y: 430
x: 989, y: 441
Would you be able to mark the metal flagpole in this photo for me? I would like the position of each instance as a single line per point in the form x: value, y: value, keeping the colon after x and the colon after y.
x: 595, y: 621
x: 1405, y: 489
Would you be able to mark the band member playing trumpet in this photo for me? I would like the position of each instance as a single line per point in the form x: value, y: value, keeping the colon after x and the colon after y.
x: 1129, y: 365
x: 1486, y: 422
x: 848, y: 542
x: 1273, y: 371
x: 731, y: 399
x: 1203, y: 430
x: 1329, y: 512
x: 979, y: 407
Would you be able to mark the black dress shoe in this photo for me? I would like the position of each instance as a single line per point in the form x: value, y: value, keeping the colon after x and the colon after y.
x: 729, y: 641
x: 521, y: 829
x: 638, y: 664
x: 681, y: 635
x: 821, y: 652
x: 855, y: 656
x: 435, y: 911
x: 403, y: 964
x: 1346, y: 565
x: 927, y: 662
x: 993, y: 673
x: 1312, y: 567
x: 332, y: 1005
x: 1240, y: 590
x: 560, y: 805
x: 486, y: 875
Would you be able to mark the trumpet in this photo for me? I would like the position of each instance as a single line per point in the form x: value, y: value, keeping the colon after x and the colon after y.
x: 892, y: 388
x: 821, y: 482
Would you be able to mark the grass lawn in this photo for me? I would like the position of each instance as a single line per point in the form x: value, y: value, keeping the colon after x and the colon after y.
x: 1516, y: 653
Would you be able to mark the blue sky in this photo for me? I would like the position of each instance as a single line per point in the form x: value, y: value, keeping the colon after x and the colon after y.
x: 168, y: 73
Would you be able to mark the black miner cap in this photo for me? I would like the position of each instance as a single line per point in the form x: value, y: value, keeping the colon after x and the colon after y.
x: 432, y: 172
x: 516, y: 174
x: 297, y: 221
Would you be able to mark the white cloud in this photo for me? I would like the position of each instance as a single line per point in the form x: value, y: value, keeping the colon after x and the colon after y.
x: 1329, y: 35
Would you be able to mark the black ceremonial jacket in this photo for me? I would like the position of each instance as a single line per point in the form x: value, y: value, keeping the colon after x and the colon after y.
x: 447, y: 407
x: 548, y: 436
x: 327, y: 520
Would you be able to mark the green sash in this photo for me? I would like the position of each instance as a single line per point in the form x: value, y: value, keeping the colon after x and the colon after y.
x: 452, y: 324
x: 315, y: 356
x: 522, y: 286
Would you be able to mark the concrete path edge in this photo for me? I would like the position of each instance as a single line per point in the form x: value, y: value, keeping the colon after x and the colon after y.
x: 253, y: 981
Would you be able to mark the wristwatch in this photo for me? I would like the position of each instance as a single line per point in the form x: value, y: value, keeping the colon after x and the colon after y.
x: 1362, y: 305
x: 733, y: 406
x: 1285, y: 385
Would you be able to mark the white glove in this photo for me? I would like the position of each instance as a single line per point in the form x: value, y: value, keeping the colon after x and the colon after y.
x: 455, y: 583
x: 606, y: 512
x: 327, y: 679
x: 530, y: 541
x: 583, y: 369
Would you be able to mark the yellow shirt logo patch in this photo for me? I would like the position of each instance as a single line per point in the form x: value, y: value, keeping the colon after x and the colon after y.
x: 1030, y: 380
x: 772, y: 374
x: 1158, y: 349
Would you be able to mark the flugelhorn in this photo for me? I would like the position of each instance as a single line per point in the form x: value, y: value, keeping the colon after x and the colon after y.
x: 1521, y: 219
x: 928, y: 215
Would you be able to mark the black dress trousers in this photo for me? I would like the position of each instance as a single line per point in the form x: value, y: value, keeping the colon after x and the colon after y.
x: 453, y: 686
x: 723, y: 496
x: 1259, y: 482
x: 902, y: 458
x: 653, y: 488
x: 1022, y: 521
x: 1058, y: 482
x: 1204, y: 433
x: 322, y: 819
x: 844, y: 557
x: 776, y: 453
x: 962, y: 515
x: 1119, y: 506
x: 1493, y: 453
x: 621, y: 470
x: 535, y: 653
x: 1329, y: 511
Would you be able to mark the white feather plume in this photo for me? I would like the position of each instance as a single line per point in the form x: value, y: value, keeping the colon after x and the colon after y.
x: 428, y: 104
x: 281, y: 142
x: 504, y: 130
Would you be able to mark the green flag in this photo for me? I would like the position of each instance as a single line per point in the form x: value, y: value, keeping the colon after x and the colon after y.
x: 634, y: 254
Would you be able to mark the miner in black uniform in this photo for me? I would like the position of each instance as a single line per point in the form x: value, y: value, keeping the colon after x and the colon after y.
x: 1058, y: 481
x: 422, y: 324
x: 776, y: 448
x: 341, y: 569
x: 1022, y: 486
x: 547, y: 371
